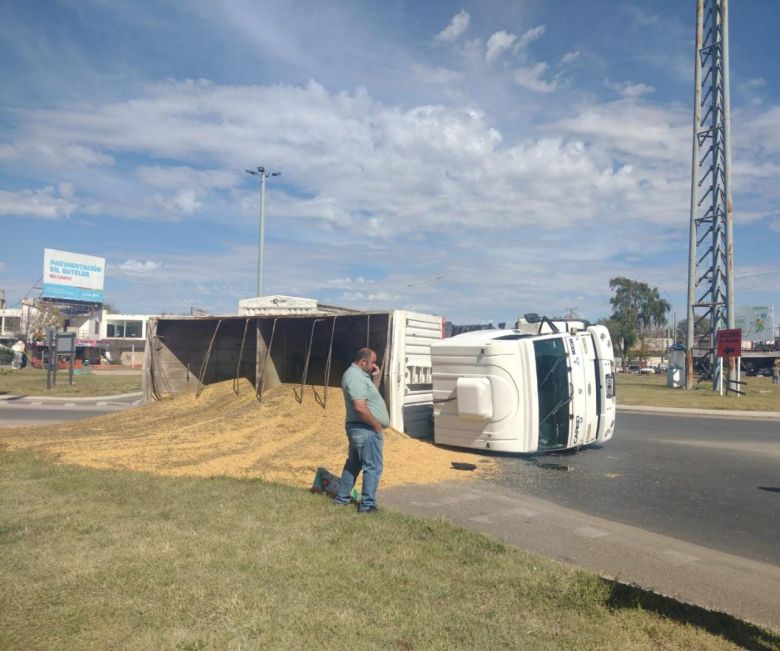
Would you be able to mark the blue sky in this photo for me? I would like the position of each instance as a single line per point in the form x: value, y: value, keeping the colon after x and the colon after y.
x: 477, y: 160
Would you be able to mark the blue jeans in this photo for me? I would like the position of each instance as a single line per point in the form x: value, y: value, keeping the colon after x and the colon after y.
x: 365, y: 453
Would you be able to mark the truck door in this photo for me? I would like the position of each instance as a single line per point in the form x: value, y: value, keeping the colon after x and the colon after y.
x: 579, y: 399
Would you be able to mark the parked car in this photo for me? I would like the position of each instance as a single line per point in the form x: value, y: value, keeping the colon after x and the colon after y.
x: 661, y: 368
x: 633, y: 369
x: 646, y: 370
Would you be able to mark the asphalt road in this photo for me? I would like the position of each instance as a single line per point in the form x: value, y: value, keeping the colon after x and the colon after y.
x: 708, y: 481
x: 28, y: 411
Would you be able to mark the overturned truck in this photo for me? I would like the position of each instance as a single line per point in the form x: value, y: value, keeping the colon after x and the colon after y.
x: 308, y: 348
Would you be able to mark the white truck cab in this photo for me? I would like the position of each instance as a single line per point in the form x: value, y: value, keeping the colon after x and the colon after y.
x: 514, y: 391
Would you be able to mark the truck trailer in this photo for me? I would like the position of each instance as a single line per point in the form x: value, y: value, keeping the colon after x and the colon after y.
x: 290, y: 340
x: 520, y: 391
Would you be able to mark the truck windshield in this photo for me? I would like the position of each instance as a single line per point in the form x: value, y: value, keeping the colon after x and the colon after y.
x: 553, y: 387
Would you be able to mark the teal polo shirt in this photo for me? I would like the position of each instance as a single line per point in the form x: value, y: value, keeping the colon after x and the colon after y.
x: 357, y: 385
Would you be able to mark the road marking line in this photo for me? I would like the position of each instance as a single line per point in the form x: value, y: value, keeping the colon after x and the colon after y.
x: 38, y: 403
x: 69, y: 404
x: 591, y: 532
x: 481, y: 518
x: 101, y: 404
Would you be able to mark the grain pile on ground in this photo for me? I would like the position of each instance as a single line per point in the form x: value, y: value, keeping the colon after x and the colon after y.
x: 220, y: 433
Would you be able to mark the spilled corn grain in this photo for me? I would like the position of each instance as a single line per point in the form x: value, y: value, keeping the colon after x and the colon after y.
x: 221, y: 433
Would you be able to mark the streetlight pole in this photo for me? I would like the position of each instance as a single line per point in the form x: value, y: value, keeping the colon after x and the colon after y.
x: 263, y: 174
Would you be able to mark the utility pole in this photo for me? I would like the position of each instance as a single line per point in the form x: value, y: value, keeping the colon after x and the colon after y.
x: 572, y: 310
x: 263, y: 174
x: 711, y: 243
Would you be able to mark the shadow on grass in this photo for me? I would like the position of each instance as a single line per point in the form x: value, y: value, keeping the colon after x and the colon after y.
x: 744, y: 634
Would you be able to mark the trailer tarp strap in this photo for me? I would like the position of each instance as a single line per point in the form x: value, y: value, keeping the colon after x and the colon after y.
x: 324, y: 400
x: 204, y: 367
x: 299, y: 398
x: 240, y: 357
x: 261, y: 379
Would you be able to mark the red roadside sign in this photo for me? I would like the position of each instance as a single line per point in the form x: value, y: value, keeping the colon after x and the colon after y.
x: 729, y: 342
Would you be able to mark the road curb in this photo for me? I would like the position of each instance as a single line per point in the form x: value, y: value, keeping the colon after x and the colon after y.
x: 705, y: 413
x: 118, y: 396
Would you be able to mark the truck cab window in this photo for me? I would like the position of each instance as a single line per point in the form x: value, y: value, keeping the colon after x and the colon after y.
x: 553, y: 389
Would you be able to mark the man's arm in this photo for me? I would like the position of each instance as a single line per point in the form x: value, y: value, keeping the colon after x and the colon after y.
x: 361, y: 409
x: 376, y: 375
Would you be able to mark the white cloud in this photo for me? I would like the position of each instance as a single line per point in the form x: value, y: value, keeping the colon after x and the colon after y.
x: 629, y: 89
x: 40, y: 204
x: 53, y: 154
x: 138, y: 266
x: 498, y: 43
x: 529, y: 37
x: 570, y: 57
x: 349, y: 282
x: 184, y: 201
x: 531, y: 78
x: 634, y: 127
x: 66, y: 190
x: 430, y: 187
x: 760, y: 132
x: 173, y: 177
x: 457, y: 26
x: 354, y: 162
x: 437, y: 75
x: 372, y: 298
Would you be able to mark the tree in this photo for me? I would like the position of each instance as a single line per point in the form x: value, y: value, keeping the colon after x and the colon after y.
x: 635, y: 307
x: 701, y: 328
x: 38, y: 316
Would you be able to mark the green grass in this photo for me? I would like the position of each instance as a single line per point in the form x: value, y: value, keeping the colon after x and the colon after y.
x: 104, y: 559
x: 32, y: 382
x: 651, y: 391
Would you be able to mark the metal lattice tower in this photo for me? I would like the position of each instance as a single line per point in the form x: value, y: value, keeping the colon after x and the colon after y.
x: 711, y: 249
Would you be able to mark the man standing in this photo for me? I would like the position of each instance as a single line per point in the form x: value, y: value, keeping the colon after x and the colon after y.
x: 366, y: 418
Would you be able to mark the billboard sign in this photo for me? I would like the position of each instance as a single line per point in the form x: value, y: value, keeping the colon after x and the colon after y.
x: 757, y: 322
x: 73, y: 276
x: 729, y: 342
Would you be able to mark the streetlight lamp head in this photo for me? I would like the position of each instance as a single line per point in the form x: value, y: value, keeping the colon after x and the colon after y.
x: 276, y: 173
x: 251, y: 172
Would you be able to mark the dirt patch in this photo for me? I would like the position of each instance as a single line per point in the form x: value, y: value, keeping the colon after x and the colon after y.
x: 221, y: 433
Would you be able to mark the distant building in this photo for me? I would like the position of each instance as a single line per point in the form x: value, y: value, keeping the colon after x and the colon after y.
x: 101, y: 337
x: 10, y: 325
